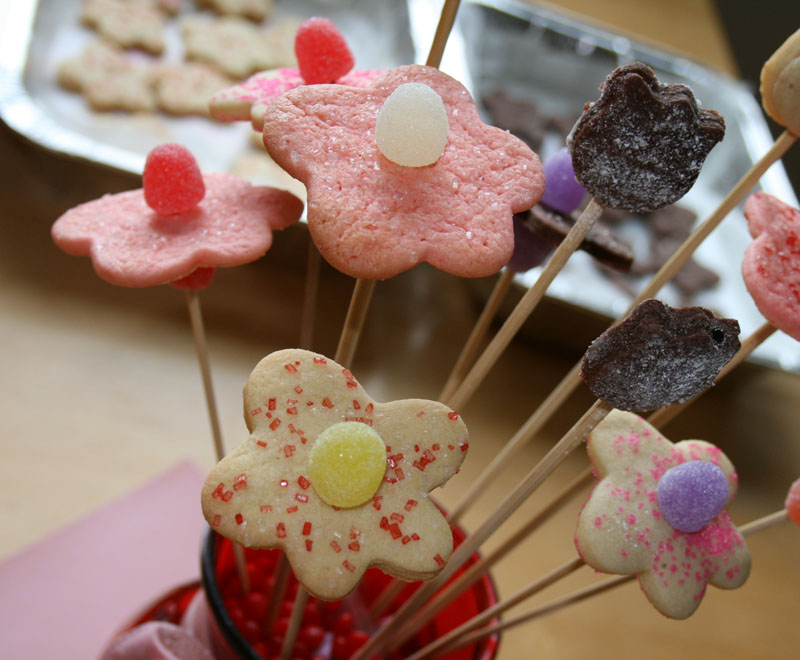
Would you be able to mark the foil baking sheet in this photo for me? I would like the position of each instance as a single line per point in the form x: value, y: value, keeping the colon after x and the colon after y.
x: 527, y: 52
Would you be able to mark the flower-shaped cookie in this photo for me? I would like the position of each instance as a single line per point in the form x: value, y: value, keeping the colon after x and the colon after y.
x: 130, y: 244
x: 372, y: 218
x: 771, y: 264
x: 622, y: 529
x: 249, y: 100
x: 780, y: 84
x: 278, y: 489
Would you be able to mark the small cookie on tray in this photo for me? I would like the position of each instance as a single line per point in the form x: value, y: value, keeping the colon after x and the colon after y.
x: 127, y: 23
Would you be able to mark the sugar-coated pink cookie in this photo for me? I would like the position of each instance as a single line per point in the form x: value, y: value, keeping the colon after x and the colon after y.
x: 622, y: 530
x: 249, y: 99
x: 771, y: 264
x: 268, y: 494
x: 132, y: 245
x: 371, y: 218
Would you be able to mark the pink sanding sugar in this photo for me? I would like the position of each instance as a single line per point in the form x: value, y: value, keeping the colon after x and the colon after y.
x: 771, y: 264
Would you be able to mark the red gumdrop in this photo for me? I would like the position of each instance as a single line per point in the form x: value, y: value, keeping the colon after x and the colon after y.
x: 323, y: 55
x: 172, y: 180
x: 198, y: 279
x: 793, y: 503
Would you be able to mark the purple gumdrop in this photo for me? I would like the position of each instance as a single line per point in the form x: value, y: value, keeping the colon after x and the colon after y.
x: 530, y: 249
x: 561, y: 191
x: 691, y: 494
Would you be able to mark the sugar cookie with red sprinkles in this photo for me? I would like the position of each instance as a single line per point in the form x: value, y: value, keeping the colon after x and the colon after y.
x: 337, y: 480
x: 374, y: 213
x: 675, y: 537
x: 179, y: 227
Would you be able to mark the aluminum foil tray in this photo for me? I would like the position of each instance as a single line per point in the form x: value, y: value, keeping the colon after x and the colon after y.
x: 526, y: 52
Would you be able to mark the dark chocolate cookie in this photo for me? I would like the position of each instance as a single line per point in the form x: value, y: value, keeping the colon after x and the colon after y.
x: 659, y: 356
x: 600, y: 242
x: 641, y: 145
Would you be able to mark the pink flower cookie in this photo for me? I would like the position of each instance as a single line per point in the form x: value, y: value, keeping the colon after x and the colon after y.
x: 771, y: 264
x: 249, y: 100
x: 337, y: 480
x: 623, y: 528
x: 131, y: 244
x: 372, y: 218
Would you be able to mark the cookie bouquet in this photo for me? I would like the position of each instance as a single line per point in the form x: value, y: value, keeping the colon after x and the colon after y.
x: 325, y: 541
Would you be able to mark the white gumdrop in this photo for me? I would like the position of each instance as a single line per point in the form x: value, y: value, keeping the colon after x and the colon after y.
x: 412, y: 126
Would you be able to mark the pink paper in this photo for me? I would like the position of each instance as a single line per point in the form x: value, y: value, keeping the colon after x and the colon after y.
x: 65, y: 596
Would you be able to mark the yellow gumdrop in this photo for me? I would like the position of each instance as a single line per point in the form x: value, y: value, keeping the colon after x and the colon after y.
x: 347, y: 463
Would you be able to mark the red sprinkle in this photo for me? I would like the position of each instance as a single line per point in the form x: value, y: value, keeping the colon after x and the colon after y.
x: 398, y: 517
x: 272, y: 403
x: 336, y: 547
x: 239, y: 519
x: 266, y: 508
x: 280, y: 530
x: 410, y: 505
x: 298, y: 389
x: 216, y: 520
x: 320, y: 360
x: 354, y: 546
x: 261, y: 443
x: 406, y: 539
x: 438, y: 559
x: 327, y: 402
x: 348, y: 566
x: 292, y: 509
x: 289, y: 450
x: 301, y: 498
x: 290, y: 368
x: 255, y: 412
x: 376, y: 502
x: 394, y: 530
x: 240, y: 482
x: 309, y: 543
x: 453, y: 416
x: 369, y: 409
x: 306, y: 528
x: 303, y: 482
x: 275, y: 423
x: 355, y: 532
x: 221, y: 494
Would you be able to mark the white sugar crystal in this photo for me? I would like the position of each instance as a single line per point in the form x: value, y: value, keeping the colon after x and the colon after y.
x: 412, y: 126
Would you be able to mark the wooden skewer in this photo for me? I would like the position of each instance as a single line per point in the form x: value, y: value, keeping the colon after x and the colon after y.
x: 526, y: 305
x: 464, y: 635
x: 281, y: 574
x: 573, y: 438
x: 307, y: 315
x: 446, y: 20
x: 296, y: 618
x: 478, y: 332
x: 201, y: 347
x: 354, y: 322
x: 481, y: 567
x: 570, y: 382
x: 498, y: 608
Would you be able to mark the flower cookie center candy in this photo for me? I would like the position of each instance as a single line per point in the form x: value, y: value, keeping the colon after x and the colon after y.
x: 172, y: 180
x: 412, y: 126
x: 691, y: 494
x: 347, y: 464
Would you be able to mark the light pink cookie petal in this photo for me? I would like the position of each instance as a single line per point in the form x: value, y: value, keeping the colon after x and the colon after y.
x: 771, y: 264
x: 234, y: 103
x: 621, y: 529
x: 372, y: 218
x: 131, y: 245
x: 157, y: 640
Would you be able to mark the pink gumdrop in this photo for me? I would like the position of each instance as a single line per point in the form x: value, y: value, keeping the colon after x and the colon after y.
x: 323, y: 55
x: 793, y: 503
x: 198, y: 279
x: 172, y: 180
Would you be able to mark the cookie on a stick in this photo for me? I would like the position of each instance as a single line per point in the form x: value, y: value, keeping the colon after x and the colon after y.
x: 638, y: 147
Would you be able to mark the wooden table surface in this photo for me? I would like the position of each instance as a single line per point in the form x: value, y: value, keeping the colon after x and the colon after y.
x: 100, y: 393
